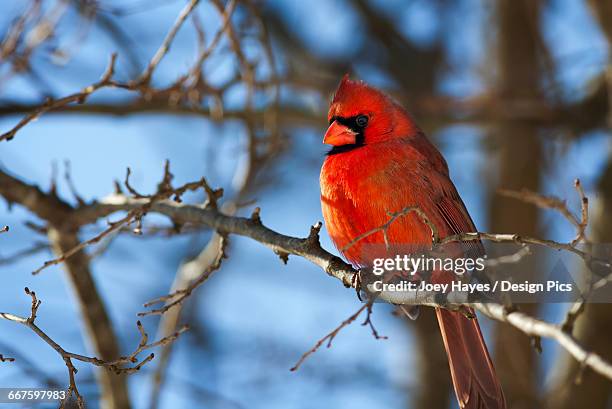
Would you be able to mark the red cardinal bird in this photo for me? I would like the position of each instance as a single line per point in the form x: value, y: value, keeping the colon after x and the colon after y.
x: 381, y: 162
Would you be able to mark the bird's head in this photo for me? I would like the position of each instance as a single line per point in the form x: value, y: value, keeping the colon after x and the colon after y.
x: 360, y: 115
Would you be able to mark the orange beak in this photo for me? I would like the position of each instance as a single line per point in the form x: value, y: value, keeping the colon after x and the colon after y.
x: 339, y: 135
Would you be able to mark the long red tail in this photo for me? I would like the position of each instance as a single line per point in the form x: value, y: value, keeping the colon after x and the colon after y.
x: 474, y: 379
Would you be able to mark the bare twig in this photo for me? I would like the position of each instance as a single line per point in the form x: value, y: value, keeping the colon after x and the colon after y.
x: 332, y: 335
x: 547, y: 202
x: 393, y: 216
x: 165, y: 46
x: 70, y: 183
x: 165, y: 190
x: 368, y: 321
x: 79, y: 97
x: 514, y: 258
x: 551, y: 202
x: 329, y: 337
x: 6, y: 359
x: 572, y: 315
x: 178, y: 296
x: 120, y: 365
x: 36, y: 248
x: 31, y: 368
x: 584, y: 213
x: 114, y: 226
x: 226, y: 15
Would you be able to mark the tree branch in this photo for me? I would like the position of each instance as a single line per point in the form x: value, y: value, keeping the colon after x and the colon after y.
x: 122, y: 365
x: 311, y: 249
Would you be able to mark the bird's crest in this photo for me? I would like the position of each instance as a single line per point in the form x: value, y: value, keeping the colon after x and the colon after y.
x: 353, y: 95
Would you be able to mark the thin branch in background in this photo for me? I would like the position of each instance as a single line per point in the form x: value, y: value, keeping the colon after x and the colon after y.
x: 35, y: 27
x: 551, y: 202
x: 145, y: 78
x: 581, y: 224
x: 572, y: 315
x: 70, y: 183
x: 368, y: 322
x: 521, y: 253
x: 584, y: 213
x: 36, y: 248
x: 30, y: 323
x: 128, y: 186
x: 587, y: 257
x: 143, y: 345
x: 15, y: 32
x: 107, y: 80
x: 113, y: 227
x: 177, y: 297
x: 36, y: 228
x: 6, y: 359
x: 79, y: 97
x: 329, y: 337
x: 125, y: 364
x: 31, y: 368
x: 207, y: 51
x: 106, y: 243
x: 247, y: 69
x: 165, y: 190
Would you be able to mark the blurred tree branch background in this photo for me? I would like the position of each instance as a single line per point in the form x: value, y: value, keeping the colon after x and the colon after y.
x: 260, y: 73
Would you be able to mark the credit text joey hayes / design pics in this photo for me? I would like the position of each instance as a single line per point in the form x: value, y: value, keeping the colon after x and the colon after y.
x: 417, y: 269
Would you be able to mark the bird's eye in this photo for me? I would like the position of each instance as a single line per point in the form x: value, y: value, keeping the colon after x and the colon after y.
x: 362, y: 120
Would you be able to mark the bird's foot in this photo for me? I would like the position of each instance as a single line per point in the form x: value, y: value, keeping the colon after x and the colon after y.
x: 356, y: 284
